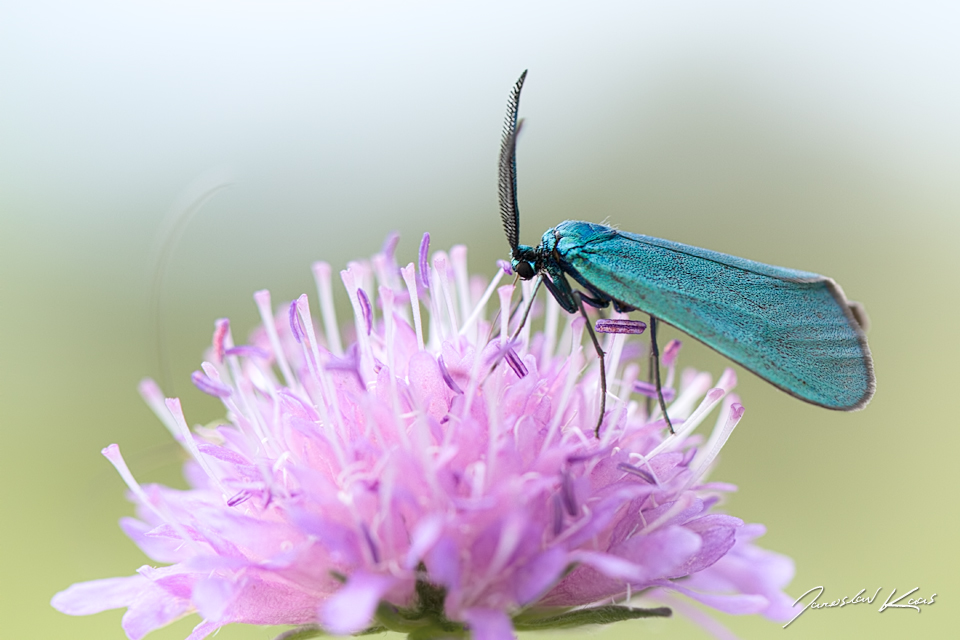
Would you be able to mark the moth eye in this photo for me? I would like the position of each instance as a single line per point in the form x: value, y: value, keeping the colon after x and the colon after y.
x: 525, y: 270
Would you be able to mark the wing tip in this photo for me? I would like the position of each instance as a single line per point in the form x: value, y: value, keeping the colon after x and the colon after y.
x: 859, y: 321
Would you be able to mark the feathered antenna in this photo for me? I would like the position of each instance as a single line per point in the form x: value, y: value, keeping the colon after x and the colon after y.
x: 509, y: 212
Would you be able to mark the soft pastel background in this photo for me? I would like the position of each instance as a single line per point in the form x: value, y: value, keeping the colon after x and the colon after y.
x: 818, y: 135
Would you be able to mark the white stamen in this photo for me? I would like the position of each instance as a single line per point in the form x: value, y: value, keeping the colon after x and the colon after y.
x: 351, y: 277
x: 239, y: 402
x: 154, y: 398
x: 576, y: 326
x: 482, y: 304
x: 173, y: 405
x: 389, y: 326
x: 112, y: 453
x: 312, y: 353
x: 550, y: 329
x: 614, y: 350
x: 527, y: 288
x: 458, y: 260
x: 689, y: 395
x: 506, y: 296
x: 262, y: 299
x: 712, y: 397
x: 387, y: 277
x: 321, y: 275
x: 409, y: 274
x: 443, y: 277
x: 730, y: 415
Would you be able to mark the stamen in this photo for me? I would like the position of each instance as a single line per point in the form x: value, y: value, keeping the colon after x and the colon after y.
x: 262, y: 299
x: 506, y: 267
x: 424, y: 265
x: 208, y: 386
x: 154, y: 398
x: 389, y: 249
x: 550, y: 329
x: 409, y: 277
x: 668, y: 357
x: 447, y: 378
x: 295, y: 325
x: 321, y: 275
x: 349, y: 362
x: 239, y: 498
x: 350, y: 277
x: 247, y: 351
x: 575, y: 326
x: 506, y: 295
x: 729, y: 417
x: 365, y: 308
x: 557, y: 514
x: 389, y: 325
x: 112, y: 453
x: 567, y: 493
x: 620, y: 325
x: 458, y: 260
x: 221, y: 327
x: 515, y: 362
x: 649, y: 390
x: 173, y: 405
x: 636, y: 471
x: 482, y: 304
x: 443, y: 276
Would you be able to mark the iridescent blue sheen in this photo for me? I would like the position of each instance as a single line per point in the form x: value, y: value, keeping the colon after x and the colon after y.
x: 794, y: 329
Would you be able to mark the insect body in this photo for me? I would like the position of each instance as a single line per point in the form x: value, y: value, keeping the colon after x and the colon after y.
x: 792, y: 328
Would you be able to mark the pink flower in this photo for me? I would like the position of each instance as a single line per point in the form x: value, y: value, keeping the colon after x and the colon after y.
x: 432, y: 480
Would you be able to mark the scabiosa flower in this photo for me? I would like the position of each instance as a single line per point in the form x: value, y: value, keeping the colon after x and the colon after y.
x: 432, y: 479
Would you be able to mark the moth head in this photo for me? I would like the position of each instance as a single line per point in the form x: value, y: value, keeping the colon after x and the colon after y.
x: 524, y: 269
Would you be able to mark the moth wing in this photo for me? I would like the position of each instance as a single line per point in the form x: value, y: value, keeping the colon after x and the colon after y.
x: 792, y: 328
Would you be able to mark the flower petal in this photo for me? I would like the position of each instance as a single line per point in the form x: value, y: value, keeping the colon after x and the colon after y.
x: 85, y: 598
x: 489, y: 624
x: 351, y: 609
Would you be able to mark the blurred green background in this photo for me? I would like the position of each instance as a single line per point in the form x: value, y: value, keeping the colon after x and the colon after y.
x: 817, y: 135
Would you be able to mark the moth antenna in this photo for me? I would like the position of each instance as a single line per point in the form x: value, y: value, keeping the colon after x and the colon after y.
x: 509, y: 212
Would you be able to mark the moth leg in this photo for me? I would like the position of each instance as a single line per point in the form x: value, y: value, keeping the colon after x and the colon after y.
x: 655, y: 365
x: 603, y: 365
x: 526, y: 313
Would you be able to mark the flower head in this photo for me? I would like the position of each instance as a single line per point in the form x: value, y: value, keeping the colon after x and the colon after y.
x: 432, y: 479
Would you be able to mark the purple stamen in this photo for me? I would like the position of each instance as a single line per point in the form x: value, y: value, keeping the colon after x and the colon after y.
x: 208, y: 386
x: 515, y: 363
x: 649, y: 390
x: 636, y: 471
x: 240, y: 497
x: 506, y: 266
x: 448, y: 378
x: 370, y: 543
x: 365, y: 308
x: 247, y: 351
x: 616, y: 325
x: 670, y: 353
x: 349, y: 362
x: 295, y: 325
x: 390, y: 247
x: 566, y: 493
x: 220, y: 331
x: 424, y: 265
x: 557, y: 515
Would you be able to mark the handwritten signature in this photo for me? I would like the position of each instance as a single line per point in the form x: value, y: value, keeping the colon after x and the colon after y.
x: 912, y: 603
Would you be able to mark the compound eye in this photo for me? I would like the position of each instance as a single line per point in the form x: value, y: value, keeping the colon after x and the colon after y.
x: 525, y: 270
